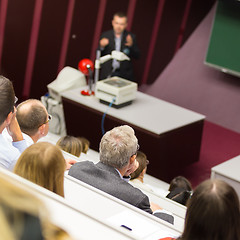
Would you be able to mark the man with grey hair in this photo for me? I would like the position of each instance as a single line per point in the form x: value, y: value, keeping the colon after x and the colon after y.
x: 9, y: 151
x: 118, y: 149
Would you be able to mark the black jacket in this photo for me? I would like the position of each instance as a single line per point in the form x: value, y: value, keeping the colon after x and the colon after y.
x: 126, y: 69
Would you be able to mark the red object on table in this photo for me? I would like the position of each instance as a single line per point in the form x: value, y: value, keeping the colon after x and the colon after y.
x: 84, y: 65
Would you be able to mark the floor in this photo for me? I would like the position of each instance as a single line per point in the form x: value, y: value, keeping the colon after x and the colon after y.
x: 218, y: 145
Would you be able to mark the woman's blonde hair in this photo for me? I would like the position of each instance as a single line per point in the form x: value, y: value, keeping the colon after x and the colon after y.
x: 14, y: 204
x: 71, y: 145
x: 43, y: 163
x: 85, y: 144
x: 23, y: 216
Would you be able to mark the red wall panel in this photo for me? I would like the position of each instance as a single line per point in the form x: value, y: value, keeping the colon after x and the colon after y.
x: 16, y: 42
x: 142, y: 26
x: 49, y: 45
x: 82, y: 32
x: 167, y: 37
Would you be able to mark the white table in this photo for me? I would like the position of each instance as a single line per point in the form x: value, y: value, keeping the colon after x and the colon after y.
x: 169, y: 135
x: 229, y: 172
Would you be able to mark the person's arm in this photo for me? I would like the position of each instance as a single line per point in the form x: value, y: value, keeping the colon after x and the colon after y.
x: 69, y: 163
x: 164, y: 215
x: 155, y: 209
x: 15, y: 132
x: 103, y: 43
x: 155, y: 206
x: 131, y: 43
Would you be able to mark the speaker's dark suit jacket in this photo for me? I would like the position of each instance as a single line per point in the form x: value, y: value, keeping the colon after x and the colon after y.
x: 126, y: 68
x: 107, y: 179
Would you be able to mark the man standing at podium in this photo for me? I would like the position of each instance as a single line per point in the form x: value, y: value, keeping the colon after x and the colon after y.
x: 121, y: 40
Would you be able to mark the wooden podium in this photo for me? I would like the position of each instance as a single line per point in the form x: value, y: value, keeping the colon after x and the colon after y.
x: 169, y: 135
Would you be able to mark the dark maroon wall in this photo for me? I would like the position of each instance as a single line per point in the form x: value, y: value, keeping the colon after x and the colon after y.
x: 48, y: 56
x: 82, y: 31
x: 48, y: 46
x: 16, y: 42
x: 142, y: 26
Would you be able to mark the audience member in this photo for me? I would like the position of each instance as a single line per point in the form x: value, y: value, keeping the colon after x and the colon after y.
x: 9, y: 151
x: 118, y: 148
x: 70, y: 144
x: 180, y: 182
x: 85, y: 144
x: 180, y: 190
x: 138, y: 175
x: 24, y: 217
x: 212, y: 213
x: 33, y: 120
x: 43, y: 164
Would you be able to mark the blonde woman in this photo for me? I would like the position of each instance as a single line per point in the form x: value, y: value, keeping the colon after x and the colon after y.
x: 23, y: 216
x: 71, y: 145
x: 43, y: 164
x: 85, y: 144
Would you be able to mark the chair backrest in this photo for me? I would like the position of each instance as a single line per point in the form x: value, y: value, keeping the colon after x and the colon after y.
x: 79, y: 224
x: 178, y: 210
x: 115, y: 211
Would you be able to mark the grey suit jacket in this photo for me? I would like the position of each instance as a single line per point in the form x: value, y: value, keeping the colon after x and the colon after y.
x: 107, y: 179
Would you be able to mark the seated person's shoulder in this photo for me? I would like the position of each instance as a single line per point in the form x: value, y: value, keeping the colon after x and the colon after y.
x: 83, y: 164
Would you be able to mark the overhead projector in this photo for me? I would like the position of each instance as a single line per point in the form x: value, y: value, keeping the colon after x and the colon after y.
x: 116, y: 91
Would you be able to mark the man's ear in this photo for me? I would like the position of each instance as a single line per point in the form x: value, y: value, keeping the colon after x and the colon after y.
x: 9, y: 118
x: 41, y: 129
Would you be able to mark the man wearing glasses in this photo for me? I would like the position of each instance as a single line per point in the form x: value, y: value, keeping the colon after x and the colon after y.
x: 33, y: 120
x: 118, y: 149
x: 9, y: 152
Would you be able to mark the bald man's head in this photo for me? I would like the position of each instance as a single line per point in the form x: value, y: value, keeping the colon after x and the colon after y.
x: 31, y: 114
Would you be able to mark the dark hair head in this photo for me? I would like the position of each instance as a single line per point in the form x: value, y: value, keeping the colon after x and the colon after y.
x: 213, y: 213
x: 7, y: 97
x: 143, y: 162
x: 180, y: 182
x: 179, y: 195
x: 120, y: 14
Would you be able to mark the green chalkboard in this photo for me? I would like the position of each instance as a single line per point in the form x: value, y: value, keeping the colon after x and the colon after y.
x: 224, y: 46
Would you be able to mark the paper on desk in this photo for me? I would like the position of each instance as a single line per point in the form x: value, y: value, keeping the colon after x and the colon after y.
x: 139, y: 227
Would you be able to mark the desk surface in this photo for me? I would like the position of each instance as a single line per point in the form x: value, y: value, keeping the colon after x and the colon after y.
x: 146, y: 112
x: 229, y: 168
